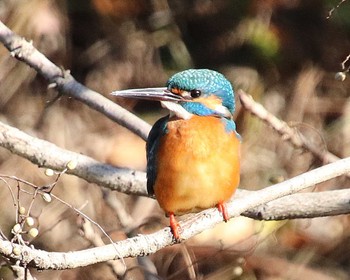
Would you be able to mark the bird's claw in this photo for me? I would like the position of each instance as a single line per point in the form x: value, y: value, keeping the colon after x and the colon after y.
x: 174, y: 226
x: 223, y: 210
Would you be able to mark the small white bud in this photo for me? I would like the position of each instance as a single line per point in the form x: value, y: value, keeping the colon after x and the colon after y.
x: 49, y: 172
x: 340, y: 76
x: 16, y: 229
x: 52, y: 85
x: 72, y: 164
x: 30, y: 221
x: 46, y: 197
x: 33, y: 232
x: 16, y: 251
x: 22, y: 210
x: 237, y: 271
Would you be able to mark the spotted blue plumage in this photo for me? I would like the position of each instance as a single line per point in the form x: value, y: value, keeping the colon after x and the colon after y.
x: 209, y: 82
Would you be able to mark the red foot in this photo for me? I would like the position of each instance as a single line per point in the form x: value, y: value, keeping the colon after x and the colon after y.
x: 222, y: 208
x: 174, y: 227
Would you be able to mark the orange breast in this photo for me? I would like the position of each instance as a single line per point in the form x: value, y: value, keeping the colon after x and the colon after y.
x: 197, y: 165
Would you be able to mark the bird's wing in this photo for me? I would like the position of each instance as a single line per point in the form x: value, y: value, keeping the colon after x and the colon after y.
x: 157, y: 131
x: 230, y: 126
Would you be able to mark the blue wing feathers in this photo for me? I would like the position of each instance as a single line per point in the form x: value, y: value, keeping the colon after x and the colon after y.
x: 158, y: 129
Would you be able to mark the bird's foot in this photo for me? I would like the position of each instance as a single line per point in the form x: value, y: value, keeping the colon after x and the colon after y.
x: 223, y: 210
x: 174, y: 227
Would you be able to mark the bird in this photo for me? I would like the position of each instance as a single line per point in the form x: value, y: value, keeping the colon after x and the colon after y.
x: 193, y: 153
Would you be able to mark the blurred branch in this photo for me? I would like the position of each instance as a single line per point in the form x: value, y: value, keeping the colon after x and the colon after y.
x: 331, y: 11
x: 46, y: 154
x: 284, y: 129
x: 194, y: 224
x: 343, y: 64
x: 66, y: 84
x: 285, y: 269
x: 119, y: 209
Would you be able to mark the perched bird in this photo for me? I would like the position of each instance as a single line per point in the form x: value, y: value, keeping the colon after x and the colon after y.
x: 193, y: 154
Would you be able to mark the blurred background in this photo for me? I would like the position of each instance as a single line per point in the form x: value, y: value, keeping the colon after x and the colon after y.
x: 284, y: 53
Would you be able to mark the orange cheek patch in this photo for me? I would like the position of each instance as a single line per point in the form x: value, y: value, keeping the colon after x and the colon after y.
x: 176, y: 91
x: 210, y: 102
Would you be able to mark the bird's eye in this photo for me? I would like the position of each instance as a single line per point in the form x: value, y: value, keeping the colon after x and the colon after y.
x: 195, y: 93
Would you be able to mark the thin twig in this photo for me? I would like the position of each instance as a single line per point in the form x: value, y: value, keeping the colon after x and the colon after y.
x: 86, y: 217
x: 343, y: 64
x: 287, y: 132
x: 331, y: 11
x: 118, y: 267
x: 188, y: 261
x: 36, y: 190
x: 39, y: 190
x: 10, y: 189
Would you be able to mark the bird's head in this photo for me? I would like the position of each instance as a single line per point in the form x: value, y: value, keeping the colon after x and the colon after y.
x: 200, y: 92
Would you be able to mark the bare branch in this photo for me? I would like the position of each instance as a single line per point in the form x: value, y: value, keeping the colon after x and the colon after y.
x: 46, y: 154
x: 284, y: 129
x: 148, y: 244
x: 302, y: 205
x: 66, y: 84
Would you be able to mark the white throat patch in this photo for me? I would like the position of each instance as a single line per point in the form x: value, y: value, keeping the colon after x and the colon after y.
x: 223, y: 111
x: 176, y: 110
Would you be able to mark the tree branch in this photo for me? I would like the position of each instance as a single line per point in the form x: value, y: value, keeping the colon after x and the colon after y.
x: 284, y: 129
x: 148, y: 244
x: 46, y: 154
x: 66, y: 84
x: 302, y: 205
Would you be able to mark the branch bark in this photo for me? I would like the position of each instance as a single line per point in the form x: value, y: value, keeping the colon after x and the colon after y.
x: 148, y: 244
x: 66, y: 84
x: 302, y: 205
x: 46, y: 154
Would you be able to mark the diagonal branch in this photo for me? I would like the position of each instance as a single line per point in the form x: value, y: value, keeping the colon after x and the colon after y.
x: 147, y: 244
x: 284, y: 129
x: 46, y: 154
x: 66, y: 84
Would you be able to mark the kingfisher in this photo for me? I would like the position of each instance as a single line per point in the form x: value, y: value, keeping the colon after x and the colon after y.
x: 193, y: 154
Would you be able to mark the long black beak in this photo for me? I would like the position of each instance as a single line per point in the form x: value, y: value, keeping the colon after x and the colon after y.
x: 158, y: 94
